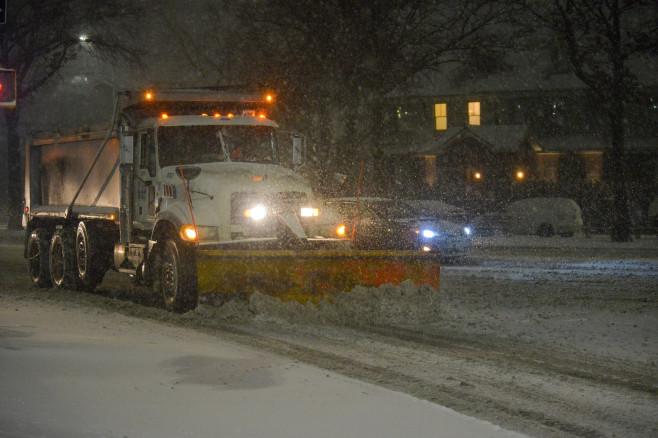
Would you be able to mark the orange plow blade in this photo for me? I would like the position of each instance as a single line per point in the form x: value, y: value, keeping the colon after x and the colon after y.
x: 310, y: 275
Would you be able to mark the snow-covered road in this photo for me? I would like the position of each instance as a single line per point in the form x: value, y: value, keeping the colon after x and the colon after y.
x: 549, y: 337
x: 68, y: 371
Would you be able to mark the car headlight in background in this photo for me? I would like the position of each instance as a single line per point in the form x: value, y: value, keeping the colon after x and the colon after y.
x: 429, y: 234
x: 467, y: 231
x: 257, y: 212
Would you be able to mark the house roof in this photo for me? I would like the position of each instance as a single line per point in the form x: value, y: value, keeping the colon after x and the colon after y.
x: 584, y: 142
x: 572, y: 143
x: 498, y: 138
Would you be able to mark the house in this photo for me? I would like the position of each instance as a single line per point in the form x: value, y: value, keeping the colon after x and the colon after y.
x: 453, y: 139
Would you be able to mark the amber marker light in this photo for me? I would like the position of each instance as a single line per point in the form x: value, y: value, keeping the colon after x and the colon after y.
x: 520, y: 174
x: 188, y: 232
x: 217, y: 115
x: 269, y: 98
x: 148, y: 95
x: 477, y: 175
x: 165, y: 116
x: 340, y: 231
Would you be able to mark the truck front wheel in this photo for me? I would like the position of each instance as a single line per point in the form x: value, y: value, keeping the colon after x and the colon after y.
x: 176, y: 277
x: 62, y: 262
x: 89, y: 256
x: 38, y: 258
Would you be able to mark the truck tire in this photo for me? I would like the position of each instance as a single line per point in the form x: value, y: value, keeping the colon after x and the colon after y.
x: 175, y: 277
x: 90, y: 260
x: 62, y: 262
x: 38, y: 258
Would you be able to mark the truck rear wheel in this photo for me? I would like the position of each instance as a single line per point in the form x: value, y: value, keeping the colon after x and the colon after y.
x: 176, y: 278
x: 62, y: 262
x: 38, y: 258
x: 90, y: 264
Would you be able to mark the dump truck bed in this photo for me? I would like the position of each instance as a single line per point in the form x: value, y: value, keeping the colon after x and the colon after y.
x: 56, y: 167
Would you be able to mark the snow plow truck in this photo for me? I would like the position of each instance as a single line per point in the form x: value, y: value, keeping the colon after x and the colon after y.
x: 187, y: 192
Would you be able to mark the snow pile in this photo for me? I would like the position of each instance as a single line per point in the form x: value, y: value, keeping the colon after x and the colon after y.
x: 406, y: 304
x: 385, y: 305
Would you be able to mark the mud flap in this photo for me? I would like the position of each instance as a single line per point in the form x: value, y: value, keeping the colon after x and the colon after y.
x: 310, y: 275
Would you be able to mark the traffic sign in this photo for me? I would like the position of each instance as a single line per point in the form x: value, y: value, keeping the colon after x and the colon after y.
x: 7, y: 88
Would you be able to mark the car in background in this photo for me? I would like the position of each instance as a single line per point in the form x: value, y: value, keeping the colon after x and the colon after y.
x: 541, y: 216
x: 388, y: 224
x: 439, y: 210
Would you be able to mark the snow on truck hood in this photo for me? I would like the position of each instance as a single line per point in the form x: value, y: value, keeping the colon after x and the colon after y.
x: 235, y: 176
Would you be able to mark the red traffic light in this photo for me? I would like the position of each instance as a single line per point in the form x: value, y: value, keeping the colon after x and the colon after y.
x: 7, y: 88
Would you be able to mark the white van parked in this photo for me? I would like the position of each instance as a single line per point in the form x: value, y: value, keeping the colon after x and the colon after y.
x: 540, y: 216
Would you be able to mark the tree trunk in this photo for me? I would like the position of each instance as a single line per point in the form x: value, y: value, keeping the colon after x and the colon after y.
x: 15, y: 178
x: 621, y: 231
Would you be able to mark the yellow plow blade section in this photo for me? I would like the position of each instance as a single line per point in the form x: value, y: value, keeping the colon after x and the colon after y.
x: 310, y: 275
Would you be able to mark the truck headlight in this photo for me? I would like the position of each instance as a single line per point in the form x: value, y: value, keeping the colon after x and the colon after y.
x: 309, y: 212
x: 257, y: 212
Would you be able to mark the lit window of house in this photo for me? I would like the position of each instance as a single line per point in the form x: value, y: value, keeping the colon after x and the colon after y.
x: 473, y: 113
x: 441, y: 116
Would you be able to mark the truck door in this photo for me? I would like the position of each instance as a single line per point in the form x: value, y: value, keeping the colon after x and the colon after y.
x: 145, y: 197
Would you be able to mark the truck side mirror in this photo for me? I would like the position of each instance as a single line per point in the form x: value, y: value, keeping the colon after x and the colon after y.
x: 297, y: 150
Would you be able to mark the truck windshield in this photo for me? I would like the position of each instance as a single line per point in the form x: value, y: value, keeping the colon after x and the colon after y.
x: 203, y: 144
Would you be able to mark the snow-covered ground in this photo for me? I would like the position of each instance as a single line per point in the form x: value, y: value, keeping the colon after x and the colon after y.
x: 68, y: 371
x: 552, y: 337
x: 595, y: 241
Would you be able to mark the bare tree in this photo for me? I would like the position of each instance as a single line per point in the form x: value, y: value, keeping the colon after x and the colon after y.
x: 38, y: 39
x: 334, y: 60
x: 599, y: 39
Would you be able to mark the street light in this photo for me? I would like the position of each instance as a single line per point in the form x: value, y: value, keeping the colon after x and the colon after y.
x: 520, y: 175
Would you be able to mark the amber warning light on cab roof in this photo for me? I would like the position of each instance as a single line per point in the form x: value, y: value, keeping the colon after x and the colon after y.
x: 150, y: 96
